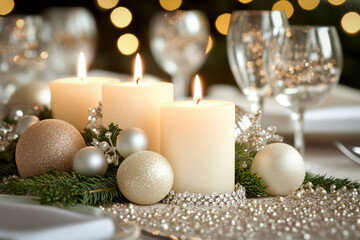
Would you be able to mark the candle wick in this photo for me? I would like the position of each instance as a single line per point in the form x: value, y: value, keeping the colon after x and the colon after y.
x: 81, y: 79
x: 197, y: 101
x: 137, y: 80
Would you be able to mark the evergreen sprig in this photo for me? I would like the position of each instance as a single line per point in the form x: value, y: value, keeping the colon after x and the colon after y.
x: 250, y: 181
x: 67, y: 189
x: 7, y: 161
x: 326, y: 182
x: 89, y: 135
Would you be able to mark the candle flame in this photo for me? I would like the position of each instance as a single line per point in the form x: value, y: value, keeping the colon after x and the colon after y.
x: 138, y: 69
x: 197, y: 90
x: 81, y: 70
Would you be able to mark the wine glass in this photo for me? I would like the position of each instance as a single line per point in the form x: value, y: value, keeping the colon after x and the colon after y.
x: 23, y: 51
x: 247, y: 39
x: 73, y: 31
x: 305, y: 70
x: 178, y: 41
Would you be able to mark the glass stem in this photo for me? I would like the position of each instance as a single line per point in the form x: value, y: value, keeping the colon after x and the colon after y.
x: 181, y: 86
x: 298, y: 119
x: 256, y: 106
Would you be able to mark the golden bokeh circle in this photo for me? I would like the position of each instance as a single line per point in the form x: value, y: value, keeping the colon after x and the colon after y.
x: 121, y: 17
x: 6, y: 6
x: 245, y: 1
x: 284, y: 5
x: 127, y: 43
x: 107, y: 4
x: 222, y: 23
x: 350, y: 22
x: 308, y: 4
x: 336, y: 2
x: 170, y: 5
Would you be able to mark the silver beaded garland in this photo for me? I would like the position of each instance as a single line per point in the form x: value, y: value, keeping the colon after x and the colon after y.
x: 214, y: 199
x: 131, y: 140
x: 90, y: 161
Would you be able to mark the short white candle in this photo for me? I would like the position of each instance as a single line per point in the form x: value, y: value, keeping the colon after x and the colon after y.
x: 197, y: 138
x: 71, y: 98
x: 137, y: 104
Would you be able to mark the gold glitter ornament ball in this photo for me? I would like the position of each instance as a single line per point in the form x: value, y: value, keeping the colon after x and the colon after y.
x: 47, y: 145
x: 145, y: 177
x: 281, y: 168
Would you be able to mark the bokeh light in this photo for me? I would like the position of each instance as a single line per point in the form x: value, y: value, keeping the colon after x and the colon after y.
x: 127, y: 43
x: 209, y: 45
x: 222, y: 23
x: 284, y: 5
x: 107, y: 4
x: 336, y: 2
x: 170, y: 5
x: 350, y: 22
x: 6, y: 6
x: 121, y: 17
x: 308, y: 4
x: 245, y: 1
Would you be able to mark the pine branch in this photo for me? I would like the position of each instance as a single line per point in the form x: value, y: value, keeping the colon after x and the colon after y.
x: 45, y: 114
x: 7, y: 169
x: 326, y: 182
x: 67, y: 189
x: 251, y: 182
x: 242, y: 156
x: 9, y: 154
x: 89, y: 135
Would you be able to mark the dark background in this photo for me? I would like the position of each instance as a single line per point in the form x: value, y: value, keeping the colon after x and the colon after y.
x: 216, y: 68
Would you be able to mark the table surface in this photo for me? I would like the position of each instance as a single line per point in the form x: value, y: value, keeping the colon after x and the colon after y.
x: 330, y: 161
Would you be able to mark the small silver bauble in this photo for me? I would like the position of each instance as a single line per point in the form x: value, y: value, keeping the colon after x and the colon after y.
x: 24, y: 123
x: 145, y: 177
x: 131, y: 140
x: 90, y: 161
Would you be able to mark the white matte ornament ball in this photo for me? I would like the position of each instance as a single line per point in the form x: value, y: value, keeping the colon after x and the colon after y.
x: 145, y: 177
x: 131, y: 140
x: 35, y: 93
x: 90, y: 161
x: 281, y: 168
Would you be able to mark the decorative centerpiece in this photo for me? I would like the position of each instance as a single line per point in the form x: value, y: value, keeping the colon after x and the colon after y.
x: 208, y: 181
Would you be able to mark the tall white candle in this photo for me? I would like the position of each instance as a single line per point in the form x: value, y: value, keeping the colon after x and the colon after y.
x: 197, y: 138
x: 71, y: 98
x: 137, y: 104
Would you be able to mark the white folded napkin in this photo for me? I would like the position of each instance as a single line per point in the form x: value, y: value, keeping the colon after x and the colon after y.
x: 25, y: 221
x: 338, y: 114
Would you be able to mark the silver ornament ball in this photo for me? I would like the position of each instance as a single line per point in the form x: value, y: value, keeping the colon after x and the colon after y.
x: 131, y: 140
x: 90, y: 161
x: 145, y: 177
x: 24, y: 123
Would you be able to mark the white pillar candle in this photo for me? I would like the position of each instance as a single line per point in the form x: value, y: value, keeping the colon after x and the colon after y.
x: 71, y: 98
x: 137, y: 104
x: 197, y: 138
